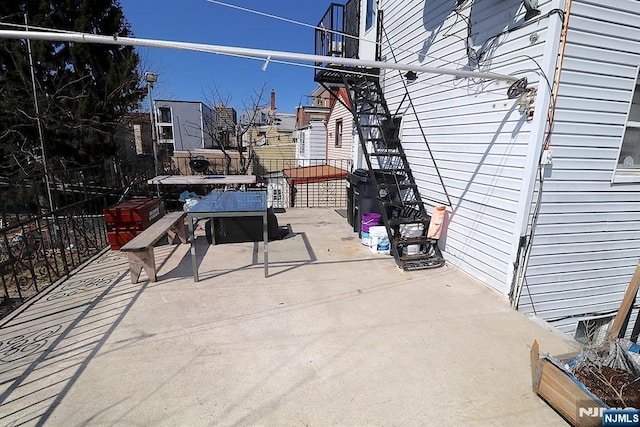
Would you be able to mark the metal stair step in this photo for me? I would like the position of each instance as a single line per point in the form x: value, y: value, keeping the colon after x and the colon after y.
x: 399, y: 240
x: 422, y: 263
x: 390, y: 142
x: 389, y: 152
x: 371, y: 113
x: 399, y: 203
x: 403, y: 221
x: 401, y: 186
x: 394, y: 170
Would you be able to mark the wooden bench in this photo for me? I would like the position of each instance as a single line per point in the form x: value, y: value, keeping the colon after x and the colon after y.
x: 140, y: 248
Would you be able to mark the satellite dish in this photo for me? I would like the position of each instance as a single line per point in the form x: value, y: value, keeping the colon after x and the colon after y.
x: 517, y: 88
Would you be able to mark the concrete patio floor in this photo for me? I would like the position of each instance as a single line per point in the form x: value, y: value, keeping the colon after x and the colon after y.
x: 335, y: 336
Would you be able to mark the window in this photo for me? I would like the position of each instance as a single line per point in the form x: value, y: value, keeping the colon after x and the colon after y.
x: 628, y: 167
x: 165, y: 115
x: 338, y: 135
x: 166, y: 132
x: 277, y: 196
x: 370, y: 15
x: 301, y: 141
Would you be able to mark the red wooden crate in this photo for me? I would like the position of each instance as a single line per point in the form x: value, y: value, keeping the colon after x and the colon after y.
x: 126, y: 220
x: 118, y: 239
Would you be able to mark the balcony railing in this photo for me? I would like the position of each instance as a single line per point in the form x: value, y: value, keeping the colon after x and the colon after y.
x: 337, y: 32
x: 38, y: 246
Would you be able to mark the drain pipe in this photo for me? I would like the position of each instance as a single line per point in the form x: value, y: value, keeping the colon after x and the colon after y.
x: 526, y: 239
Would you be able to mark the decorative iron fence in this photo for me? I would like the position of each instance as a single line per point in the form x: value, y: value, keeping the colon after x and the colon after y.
x: 39, y: 246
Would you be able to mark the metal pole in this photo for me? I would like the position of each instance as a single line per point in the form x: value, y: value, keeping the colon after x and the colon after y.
x: 38, y: 121
x: 153, y: 133
x: 254, y: 53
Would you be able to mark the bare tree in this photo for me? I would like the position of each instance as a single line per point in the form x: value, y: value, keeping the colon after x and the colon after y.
x: 227, y: 130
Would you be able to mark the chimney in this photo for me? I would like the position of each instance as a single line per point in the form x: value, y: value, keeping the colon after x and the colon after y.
x: 273, y: 100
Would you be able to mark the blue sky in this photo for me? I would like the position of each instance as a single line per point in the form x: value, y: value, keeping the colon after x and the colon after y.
x: 189, y: 76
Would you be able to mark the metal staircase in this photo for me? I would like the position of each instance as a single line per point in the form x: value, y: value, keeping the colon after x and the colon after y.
x: 403, y: 211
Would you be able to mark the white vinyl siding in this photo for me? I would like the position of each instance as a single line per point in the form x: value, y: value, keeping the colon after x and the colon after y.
x: 586, y: 245
x: 314, y: 144
x: 339, y: 112
x: 479, y: 138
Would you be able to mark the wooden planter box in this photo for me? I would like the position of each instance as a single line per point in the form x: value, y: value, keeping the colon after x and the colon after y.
x: 563, y: 392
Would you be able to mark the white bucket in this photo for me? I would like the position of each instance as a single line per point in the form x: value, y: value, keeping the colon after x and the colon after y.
x: 408, y: 231
x: 379, y: 240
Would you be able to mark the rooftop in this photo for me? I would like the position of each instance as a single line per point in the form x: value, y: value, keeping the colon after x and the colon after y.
x: 336, y: 335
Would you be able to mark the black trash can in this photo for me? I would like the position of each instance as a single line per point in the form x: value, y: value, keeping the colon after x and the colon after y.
x: 364, y: 198
x: 354, y: 180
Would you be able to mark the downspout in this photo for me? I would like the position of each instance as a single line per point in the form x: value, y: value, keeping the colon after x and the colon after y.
x: 529, y: 219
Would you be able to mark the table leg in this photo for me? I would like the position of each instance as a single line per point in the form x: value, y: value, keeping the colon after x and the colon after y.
x: 194, y: 258
x: 265, y: 237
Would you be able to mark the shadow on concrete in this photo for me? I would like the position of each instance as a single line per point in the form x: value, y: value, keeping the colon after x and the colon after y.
x: 45, y: 349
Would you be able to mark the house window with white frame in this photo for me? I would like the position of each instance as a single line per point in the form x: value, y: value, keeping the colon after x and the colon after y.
x: 338, y: 135
x: 165, y: 114
x: 628, y: 167
x: 301, y: 141
x: 166, y: 132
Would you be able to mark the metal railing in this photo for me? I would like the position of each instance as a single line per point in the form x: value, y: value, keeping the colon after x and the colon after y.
x: 305, y: 183
x: 289, y: 182
x: 39, y: 246
x: 337, y: 32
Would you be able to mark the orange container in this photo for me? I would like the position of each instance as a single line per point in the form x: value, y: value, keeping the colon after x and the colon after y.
x: 437, y: 222
x: 126, y: 220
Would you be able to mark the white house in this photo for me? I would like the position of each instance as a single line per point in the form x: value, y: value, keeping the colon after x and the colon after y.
x: 311, y: 143
x: 542, y: 186
x: 310, y: 134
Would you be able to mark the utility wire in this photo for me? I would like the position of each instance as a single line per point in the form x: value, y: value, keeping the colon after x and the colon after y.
x: 315, y: 27
x: 424, y: 135
x: 31, y: 27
